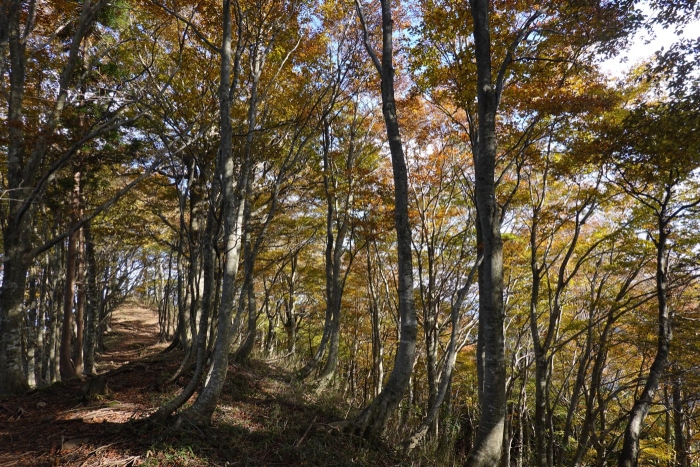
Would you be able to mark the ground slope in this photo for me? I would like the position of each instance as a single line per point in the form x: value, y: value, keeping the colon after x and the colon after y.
x: 263, y: 419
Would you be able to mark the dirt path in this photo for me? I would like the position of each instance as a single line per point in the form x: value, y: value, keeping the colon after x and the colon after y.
x: 64, y: 425
x: 134, y: 335
x: 261, y: 421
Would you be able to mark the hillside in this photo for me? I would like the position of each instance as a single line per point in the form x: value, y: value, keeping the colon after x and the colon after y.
x: 262, y: 420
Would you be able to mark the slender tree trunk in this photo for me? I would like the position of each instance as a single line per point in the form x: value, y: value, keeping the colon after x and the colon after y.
x: 680, y: 445
x: 377, y: 347
x: 181, y: 320
x: 430, y: 309
x: 68, y: 369
x: 32, y: 330
x: 55, y: 314
x: 317, y: 357
x: 80, y: 305
x: 290, y: 319
x: 233, y: 205
x: 522, y: 408
x: 247, y: 298
x: 246, y: 347
x: 42, y: 324
x: 453, y: 348
x: 630, y: 448
x: 92, y: 316
x: 337, y: 229
x: 197, y: 224
x: 103, y: 326
x: 541, y: 361
x: 208, y: 264
x: 583, y: 365
x: 372, y: 420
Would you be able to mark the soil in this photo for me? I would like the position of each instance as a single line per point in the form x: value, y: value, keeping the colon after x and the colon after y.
x: 62, y: 425
x: 263, y: 419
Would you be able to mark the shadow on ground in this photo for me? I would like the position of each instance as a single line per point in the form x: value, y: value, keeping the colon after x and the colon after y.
x: 262, y: 420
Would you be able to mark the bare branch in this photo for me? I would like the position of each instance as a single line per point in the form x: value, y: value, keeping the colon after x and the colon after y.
x: 365, y: 39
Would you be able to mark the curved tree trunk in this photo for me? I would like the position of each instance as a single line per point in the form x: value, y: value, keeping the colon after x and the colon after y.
x: 233, y: 205
x: 208, y: 258
x: 372, y: 420
x: 630, y: 447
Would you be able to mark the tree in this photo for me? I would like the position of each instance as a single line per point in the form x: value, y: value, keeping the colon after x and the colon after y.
x: 372, y: 420
x: 659, y: 175
x: 36, y: 148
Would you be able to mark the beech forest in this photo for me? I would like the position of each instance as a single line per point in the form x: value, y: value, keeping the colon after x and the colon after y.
x: 350, y: 232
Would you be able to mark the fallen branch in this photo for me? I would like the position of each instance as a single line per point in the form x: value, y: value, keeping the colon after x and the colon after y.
x: 301, y: 440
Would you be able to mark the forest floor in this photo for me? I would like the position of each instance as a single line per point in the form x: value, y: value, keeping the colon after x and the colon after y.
x: 263, y: 419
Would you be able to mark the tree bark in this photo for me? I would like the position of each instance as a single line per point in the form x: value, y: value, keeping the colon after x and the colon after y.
x: 630, y: 447
x: 80, y: 304
x: 247, y: 298
x: 207, y: 295
x: 233, y: 204
x: 92, y: 310
x: 32, y: 314
x: 338, y: 224
x: 453, y: 347
x: 491, y: 341
x: 68, y: 368
x: 679, y: 444
x: 377, y: 345
x: 371, y: 422
x: 16, y: 235
x: 25, y: 155
x: 290, y: 319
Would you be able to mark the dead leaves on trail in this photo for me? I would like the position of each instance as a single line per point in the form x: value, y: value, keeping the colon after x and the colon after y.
x: 265, y: 417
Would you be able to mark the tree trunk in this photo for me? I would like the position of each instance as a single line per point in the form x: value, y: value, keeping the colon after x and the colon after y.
x: 372, y: 420
x: 491, y: 341
x: 233, y: 205
x: 68, y: 369
x: 197, y: 224
x: 247, y: 298
x: 377, y: 347
x: 25, y: 154
x: 33, y: 325
x: 246, y: 347
x: 207, y: 295
x: 42, y: 325
x: 92, y: 310
x: 16, y: 236
x: 290, y: 319
x: 80, y: 305
x: 53, y: 363
x: 630, y: 447
x: 680, y: 445
x: 453, y: 347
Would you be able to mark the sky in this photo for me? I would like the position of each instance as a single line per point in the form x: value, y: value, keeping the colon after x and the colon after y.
x: 642, y: 48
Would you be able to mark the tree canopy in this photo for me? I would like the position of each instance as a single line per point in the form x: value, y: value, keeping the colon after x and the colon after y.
x: 443, y: 211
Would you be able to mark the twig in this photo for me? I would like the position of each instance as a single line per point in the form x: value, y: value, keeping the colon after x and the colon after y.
x: 127, y: 461
x: 301, y: 440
